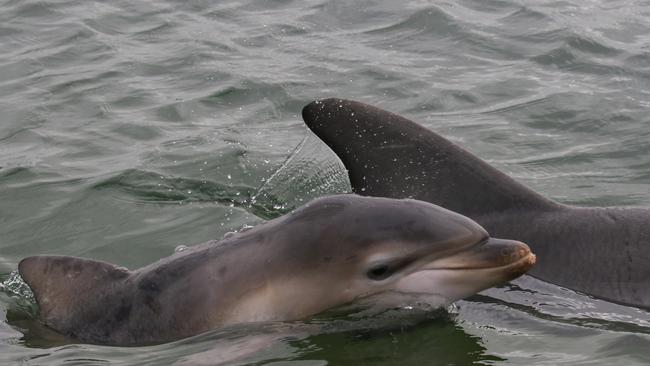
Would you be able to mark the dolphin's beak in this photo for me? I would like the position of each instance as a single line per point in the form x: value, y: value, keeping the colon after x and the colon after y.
x: 470, y: 271
x: 509, y: 258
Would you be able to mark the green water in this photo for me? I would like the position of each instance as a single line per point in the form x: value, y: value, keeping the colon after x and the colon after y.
x: 128, y: 128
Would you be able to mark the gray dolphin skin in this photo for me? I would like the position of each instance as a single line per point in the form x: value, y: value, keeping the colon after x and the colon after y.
x: 599, y: 251
x: 330, y: 252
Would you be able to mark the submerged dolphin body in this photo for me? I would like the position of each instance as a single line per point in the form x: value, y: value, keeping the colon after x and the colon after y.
x: 600, y: 251
x: 332, y: 251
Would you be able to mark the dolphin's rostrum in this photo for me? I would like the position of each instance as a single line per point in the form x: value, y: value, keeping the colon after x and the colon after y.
x: 332, y: 251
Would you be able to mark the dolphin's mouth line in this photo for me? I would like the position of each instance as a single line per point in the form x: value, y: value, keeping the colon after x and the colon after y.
x: 528, y: 260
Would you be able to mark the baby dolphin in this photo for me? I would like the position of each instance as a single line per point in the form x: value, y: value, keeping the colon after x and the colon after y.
x: 601, y: 251
x: 332, y: 251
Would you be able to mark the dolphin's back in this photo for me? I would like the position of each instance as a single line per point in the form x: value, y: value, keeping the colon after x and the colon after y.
x: 176, y: 297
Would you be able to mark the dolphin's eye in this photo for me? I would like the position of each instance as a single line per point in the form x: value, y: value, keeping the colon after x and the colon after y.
x: 379, y: 272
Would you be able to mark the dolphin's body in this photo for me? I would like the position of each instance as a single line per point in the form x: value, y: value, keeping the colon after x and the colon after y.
x: 599, y: 251
x: 329, y: 252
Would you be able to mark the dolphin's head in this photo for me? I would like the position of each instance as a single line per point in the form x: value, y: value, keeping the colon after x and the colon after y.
x: 347, y: 247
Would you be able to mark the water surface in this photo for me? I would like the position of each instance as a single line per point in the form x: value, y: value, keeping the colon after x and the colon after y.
x: 130, y: 127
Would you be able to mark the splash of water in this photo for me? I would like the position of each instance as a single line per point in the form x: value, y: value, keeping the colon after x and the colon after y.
x: 14, y: 286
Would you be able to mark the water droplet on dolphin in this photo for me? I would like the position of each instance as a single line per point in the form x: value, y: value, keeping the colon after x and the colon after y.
x: 245, y: 228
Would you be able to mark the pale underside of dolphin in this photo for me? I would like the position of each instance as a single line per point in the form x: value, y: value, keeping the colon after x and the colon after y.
x: 332, y: 251
x: 599, y: 251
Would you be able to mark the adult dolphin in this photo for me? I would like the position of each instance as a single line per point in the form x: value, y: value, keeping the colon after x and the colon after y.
x: 329, y: 252
x: 599, y: 251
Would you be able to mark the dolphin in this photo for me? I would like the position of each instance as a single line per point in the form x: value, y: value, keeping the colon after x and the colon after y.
x: 330, y: 252
x: 599, y: 251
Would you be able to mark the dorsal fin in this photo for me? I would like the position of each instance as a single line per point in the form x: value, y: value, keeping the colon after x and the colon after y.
x: 64, y: 286
x: 391, y: 156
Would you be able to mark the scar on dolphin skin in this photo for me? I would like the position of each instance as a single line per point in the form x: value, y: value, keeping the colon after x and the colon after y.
x: 601, y: 251
x: 332, y: 251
